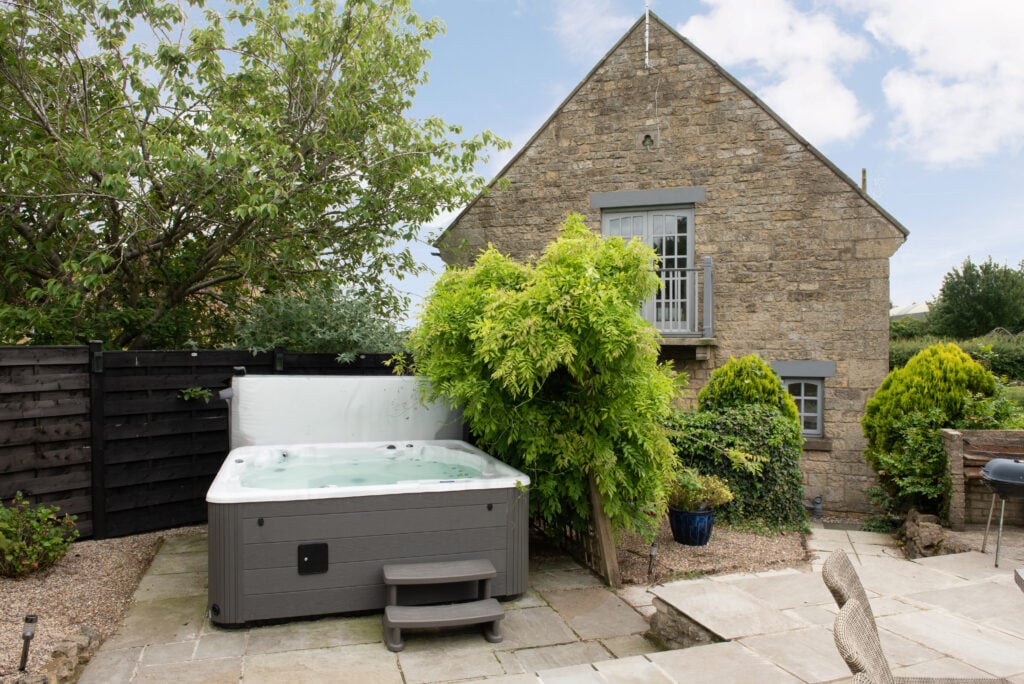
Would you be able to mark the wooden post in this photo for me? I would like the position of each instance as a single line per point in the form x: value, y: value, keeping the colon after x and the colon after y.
x: 605, y: 540
x: 96, y: 421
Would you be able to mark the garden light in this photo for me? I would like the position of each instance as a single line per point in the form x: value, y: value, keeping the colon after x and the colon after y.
x: 27, y: 633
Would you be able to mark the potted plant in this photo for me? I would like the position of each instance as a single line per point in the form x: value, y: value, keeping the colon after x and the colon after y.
x: 691, y: 503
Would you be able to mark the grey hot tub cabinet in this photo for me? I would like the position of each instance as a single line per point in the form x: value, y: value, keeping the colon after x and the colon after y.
x: 257, y: 570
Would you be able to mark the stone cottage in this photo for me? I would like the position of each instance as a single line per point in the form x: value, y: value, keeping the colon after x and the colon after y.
x: 766, y: 246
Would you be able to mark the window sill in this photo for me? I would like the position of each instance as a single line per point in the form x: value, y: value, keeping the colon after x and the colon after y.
x: 817, y: 444
x: 676, y: 340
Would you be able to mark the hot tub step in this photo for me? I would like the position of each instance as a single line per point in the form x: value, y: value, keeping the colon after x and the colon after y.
x: 438, y: 573
x: 449, y: 615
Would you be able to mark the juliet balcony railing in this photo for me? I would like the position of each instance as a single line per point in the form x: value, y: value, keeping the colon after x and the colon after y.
x: 684, y: 306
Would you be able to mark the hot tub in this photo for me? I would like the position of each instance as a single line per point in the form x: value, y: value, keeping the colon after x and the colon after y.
x: 304, y: 529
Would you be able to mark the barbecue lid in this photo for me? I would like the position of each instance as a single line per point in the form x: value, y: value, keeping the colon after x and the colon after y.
x: 1009, y: 470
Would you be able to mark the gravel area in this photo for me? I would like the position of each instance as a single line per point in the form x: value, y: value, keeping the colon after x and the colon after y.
x: 729, y: 551
x: 91, y: 586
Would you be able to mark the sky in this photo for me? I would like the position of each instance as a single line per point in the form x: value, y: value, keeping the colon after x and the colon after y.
x: 926, y: 95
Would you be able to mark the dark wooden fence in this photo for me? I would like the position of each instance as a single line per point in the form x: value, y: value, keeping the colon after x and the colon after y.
x: 109, y: 437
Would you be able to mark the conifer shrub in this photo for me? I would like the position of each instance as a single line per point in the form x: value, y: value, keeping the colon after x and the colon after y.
x: 939, y: 387
x: 557, y: 373
x: 744, y: 381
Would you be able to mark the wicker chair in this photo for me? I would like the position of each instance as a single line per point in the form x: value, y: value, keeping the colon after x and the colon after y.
x: 842, y: 581
x: 857, y: 640
x: 856, y: 632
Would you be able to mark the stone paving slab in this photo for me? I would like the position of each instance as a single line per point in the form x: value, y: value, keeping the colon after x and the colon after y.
x: 160, y: 622
x: 565, y: 655
x: 893, y: 577
x: 718, y: 663
x: 633, y: 671
x: 808, y: 654
x: 576, y: 674
x: 724, y: 609
x: 211, y: 671
x: 796, y: 590
x: 596, y: 613
x: 533, y: 627
x: 440, y: 659
x: 365, y: 664
x: 986, y: 648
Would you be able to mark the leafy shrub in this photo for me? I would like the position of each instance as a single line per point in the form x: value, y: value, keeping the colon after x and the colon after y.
x: 692, y: 491
x: 32, y: 538
x: 770, y: 494
x: 907, y: 328
x: 557, y: 373
x: 748, y: 380
x: 1001, y: 354
x: 940, y: 376
x: 320, y: 320
x: 939, y: 387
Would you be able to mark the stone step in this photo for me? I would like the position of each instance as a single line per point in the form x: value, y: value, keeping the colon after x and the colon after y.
x: 438, y: 573
x: 482, y: 611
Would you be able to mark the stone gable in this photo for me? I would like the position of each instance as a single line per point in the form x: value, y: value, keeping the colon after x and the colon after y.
x: 801, y: 256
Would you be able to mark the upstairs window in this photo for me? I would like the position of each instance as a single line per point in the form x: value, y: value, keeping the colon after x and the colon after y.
x: 669, y: 231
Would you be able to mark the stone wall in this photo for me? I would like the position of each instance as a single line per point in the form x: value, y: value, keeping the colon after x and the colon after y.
x: 801, y: 256
x: 971, y: 500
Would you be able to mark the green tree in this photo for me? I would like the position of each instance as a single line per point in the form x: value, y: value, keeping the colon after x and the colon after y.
x: 322, y: 320
x: 977, y: 299
x: 557, y: 373
x: 941, y: 386
x: 156, y: 176
x: 745, y: 381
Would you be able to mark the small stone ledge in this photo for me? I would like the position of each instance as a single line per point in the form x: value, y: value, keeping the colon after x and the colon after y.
x: 672, y: 629
x: 66, y: 659
x: 922, y: 537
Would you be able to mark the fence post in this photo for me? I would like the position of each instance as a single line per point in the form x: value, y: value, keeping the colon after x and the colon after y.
x: 603, y: 534
x: 96, y: 415
x: 709, y: 299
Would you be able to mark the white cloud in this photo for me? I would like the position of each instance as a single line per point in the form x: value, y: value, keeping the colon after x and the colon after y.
x: 796, y: 59
x: 960, y: 98
x: 589, y: 28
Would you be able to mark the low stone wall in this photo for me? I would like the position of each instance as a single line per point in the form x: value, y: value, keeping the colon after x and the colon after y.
x: 971, y: 500
x: 675, y: 630
x: 66, y: 660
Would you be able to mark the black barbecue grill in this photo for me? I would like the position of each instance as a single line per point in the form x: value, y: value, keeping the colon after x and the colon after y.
x: 1005, y: 477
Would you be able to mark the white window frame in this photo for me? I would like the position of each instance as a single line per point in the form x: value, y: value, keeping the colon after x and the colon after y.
x: 813, y: 372
x: 818, y: 414
x: 674, y: 309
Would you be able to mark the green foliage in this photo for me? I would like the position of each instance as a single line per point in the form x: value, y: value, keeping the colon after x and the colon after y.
x: 940, y: 387
x: 161, y: 165
x: 749, y: 380
x: 1003, y: 354
x: 767, y: 493
x: 195, y: 392
x: 692, y: 491
x: 977, y: 299
x: 318, y: 320
x: 940, y: 376
x: 32, y: 538
x: 907, y: 328
x: 558, y: 374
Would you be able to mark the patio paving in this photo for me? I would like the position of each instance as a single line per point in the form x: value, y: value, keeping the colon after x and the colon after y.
x: 949, y: 615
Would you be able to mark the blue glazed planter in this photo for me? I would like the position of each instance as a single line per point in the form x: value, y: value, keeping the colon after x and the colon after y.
x: 692, y: 528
